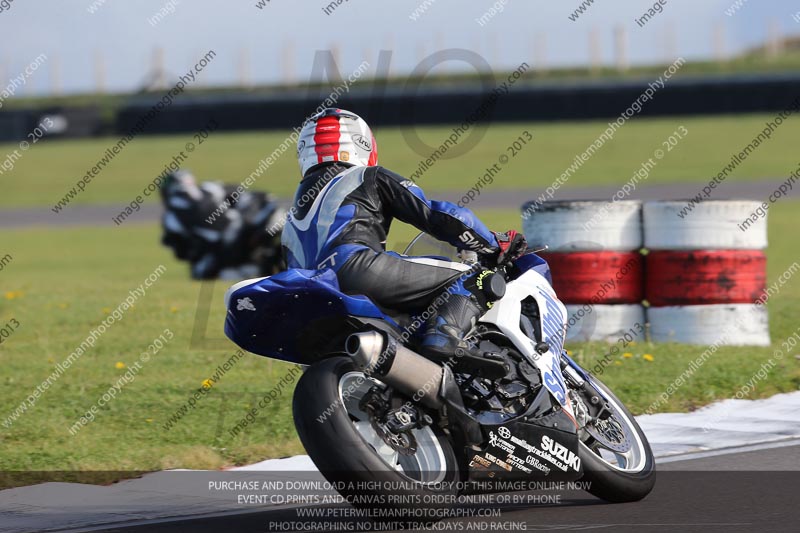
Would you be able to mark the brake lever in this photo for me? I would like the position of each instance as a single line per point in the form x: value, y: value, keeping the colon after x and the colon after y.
x: 468, y: 257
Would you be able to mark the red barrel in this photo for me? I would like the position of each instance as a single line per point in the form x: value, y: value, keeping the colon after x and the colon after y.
x: 597, y: 277
x: 704, y: 277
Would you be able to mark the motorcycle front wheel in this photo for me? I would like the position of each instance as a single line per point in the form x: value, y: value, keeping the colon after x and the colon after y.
x: 350, y: 451
x: 617, y: 460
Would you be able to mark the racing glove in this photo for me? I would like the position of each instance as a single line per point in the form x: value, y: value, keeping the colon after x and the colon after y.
x: 512, y: 246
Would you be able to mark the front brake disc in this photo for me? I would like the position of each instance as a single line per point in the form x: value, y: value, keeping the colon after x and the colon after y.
x: 610, y: 433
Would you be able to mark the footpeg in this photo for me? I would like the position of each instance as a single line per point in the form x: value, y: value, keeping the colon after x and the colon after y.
x: 483, y: 366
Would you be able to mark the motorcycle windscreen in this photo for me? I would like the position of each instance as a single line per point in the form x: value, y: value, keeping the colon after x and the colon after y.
x: 296, y: 316
x: 531, y: 261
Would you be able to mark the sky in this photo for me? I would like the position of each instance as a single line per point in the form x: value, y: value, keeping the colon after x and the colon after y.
x: 278, y: 43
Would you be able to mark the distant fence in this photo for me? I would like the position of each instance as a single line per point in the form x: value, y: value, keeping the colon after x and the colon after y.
x: 598, y: 100
x: 390, y: 106
x: 69, y: 122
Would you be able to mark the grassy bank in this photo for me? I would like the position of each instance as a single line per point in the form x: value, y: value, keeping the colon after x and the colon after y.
x: 46, y: 172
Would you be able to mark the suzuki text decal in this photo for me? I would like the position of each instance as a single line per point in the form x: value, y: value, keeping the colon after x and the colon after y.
x: 549, y: 450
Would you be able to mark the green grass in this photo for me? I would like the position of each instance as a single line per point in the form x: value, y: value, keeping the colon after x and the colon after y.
x: 62, y: 282
x: 58, y: 298
x: 47, y: 171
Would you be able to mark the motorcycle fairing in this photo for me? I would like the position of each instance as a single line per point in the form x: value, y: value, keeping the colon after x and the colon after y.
x: 523, y: 450
x: 302, y: 300
x: 533, y: 262
x: 281, y: 316
x: 505, y: 315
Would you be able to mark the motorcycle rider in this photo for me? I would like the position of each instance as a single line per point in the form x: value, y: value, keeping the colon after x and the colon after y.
x: 341, y: 216
x: 231, y: 242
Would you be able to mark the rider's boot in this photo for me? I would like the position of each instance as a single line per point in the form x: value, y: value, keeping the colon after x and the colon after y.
x: 444, y: 335
x: 467, y: 299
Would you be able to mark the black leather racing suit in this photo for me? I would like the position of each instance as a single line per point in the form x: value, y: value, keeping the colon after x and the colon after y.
x: 340, y: 219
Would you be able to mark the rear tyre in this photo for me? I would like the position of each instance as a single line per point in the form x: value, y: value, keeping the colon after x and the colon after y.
x: 342, y: 442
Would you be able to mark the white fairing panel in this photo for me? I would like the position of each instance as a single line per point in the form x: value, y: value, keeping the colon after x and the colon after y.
x: 505, y: 314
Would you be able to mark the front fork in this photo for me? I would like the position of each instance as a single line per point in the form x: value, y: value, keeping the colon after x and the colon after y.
x: 589, y: 404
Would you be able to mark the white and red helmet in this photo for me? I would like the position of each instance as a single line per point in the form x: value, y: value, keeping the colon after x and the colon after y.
x: 336, y: 135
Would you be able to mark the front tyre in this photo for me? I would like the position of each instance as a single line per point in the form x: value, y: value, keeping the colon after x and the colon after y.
x: 345, y: 445
x: 617, y: 459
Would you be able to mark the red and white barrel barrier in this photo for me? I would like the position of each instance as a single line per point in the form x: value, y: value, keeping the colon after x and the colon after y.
x: 718, y: 324
x: 692, y: 277
x: 583, y: 225
x: 704, y: 273
x: 594, y: 256
x: 597, y: 277
x: 712, y: 225
x: 621, y: 323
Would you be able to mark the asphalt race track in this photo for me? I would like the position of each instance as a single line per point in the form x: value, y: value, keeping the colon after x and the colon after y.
x: 101, y: 215
x: 744, y: 491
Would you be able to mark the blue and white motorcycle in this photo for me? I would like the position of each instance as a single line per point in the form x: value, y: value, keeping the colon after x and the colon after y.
x: 368, y: 408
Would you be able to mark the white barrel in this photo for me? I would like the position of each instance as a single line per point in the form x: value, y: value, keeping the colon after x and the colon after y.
x: 607, y: 323
x: 583, y: 225
x: 731, y: 324
x: 711, y: 225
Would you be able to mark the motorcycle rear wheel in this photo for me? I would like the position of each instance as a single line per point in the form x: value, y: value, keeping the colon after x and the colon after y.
x: 346, y: 448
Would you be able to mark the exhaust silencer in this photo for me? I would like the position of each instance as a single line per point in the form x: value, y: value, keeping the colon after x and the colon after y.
x: 377, y: 354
